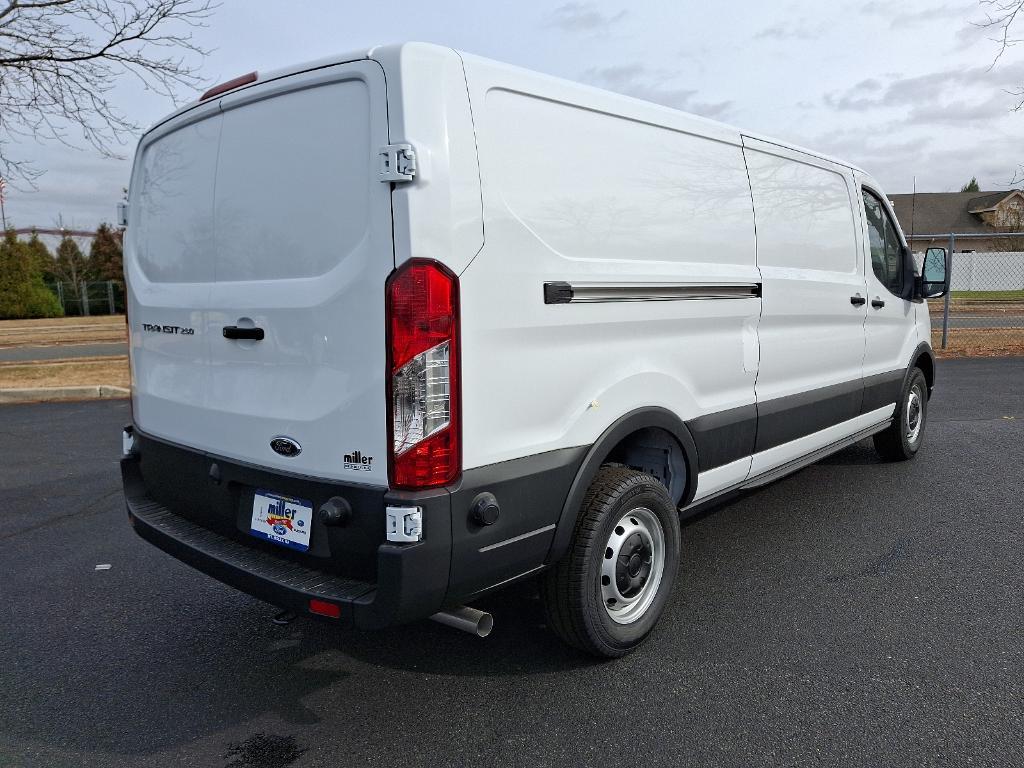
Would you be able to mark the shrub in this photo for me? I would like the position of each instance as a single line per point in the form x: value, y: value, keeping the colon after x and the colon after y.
x: 22, y: 291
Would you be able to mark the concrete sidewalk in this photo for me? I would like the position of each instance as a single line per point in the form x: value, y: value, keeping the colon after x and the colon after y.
x: 53, y: 394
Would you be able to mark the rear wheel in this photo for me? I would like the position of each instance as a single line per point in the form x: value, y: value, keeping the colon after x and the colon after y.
x: 606, y: 595
x: 902, y: 439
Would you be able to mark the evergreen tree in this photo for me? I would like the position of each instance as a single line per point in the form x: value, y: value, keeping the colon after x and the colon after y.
x: 106, y: 261
x: 42, y: 256
x: 971, y: 186
x: 22, y: 292
x: 71, y: 266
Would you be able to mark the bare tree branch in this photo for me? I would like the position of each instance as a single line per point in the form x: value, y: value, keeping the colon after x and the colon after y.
x: 60, y: 59
x: 1001, y: 15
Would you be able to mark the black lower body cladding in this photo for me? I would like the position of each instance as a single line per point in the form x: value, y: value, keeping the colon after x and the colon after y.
x: 198, y: 507
x: 734, y: 434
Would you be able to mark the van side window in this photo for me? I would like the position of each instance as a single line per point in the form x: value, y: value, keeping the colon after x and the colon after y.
x: 886, y: 249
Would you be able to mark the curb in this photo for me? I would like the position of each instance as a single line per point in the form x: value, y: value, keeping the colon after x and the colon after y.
x: 53, y: 394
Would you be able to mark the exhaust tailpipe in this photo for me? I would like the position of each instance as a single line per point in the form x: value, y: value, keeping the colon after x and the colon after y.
x: 467, y: 619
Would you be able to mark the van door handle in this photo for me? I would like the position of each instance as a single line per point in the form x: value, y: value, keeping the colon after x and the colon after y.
x: 877, y: 303
x: 234, y: 332
x: 857, y: 300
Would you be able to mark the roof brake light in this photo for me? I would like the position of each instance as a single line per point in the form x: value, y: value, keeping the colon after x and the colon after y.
x: 229, y: 85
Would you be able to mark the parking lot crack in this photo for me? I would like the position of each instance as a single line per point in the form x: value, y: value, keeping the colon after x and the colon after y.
x: 92, y: 507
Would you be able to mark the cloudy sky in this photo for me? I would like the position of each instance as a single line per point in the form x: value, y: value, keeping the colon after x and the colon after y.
x: 903, y: 89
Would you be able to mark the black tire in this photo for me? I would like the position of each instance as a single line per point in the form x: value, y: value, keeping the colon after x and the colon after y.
x: 901, y: 441
x: 574, y: 589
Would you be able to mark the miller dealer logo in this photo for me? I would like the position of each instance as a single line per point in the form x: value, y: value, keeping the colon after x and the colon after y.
x: 280, y: 518
x: 357, y: 461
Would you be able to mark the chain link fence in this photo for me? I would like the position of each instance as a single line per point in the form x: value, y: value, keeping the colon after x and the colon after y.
x: 984, y: 311
x: 83, y: 299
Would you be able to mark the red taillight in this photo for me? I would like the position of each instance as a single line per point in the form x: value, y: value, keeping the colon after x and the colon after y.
x: 323, y: 608
x: 423, y: 376
x: 229, y: 85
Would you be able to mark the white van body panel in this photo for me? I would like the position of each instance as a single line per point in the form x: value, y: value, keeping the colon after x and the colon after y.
x: 605, y: 191
x: 439, y: 215
x: 722, y: 478
x: 292, y: 236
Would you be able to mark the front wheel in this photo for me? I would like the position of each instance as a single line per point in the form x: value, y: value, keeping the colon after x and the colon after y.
x: 605, y: 596
x: 902, y: 439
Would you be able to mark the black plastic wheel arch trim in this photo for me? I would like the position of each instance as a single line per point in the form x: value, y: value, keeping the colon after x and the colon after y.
x: 924, y: 350
x: 641, y: 418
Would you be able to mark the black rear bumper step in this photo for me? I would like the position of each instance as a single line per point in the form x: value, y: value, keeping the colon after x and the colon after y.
x: 231, y: 554
x: 281, y: 582
x: 410, y: 585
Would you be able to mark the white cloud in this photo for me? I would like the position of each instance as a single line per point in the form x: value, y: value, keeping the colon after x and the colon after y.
x: 789, y: 30
x: 583, y: 17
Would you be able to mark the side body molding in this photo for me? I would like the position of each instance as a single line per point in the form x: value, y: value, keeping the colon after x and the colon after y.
x: 641, y: 418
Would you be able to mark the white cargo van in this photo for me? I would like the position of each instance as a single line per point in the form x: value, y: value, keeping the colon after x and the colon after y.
x: 408, y: 326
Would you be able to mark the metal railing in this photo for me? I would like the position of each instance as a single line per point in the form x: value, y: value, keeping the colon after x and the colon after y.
x: 984, y: 311
x: 86, y: 298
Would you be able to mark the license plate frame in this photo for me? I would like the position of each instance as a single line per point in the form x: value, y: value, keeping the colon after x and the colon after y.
x: 282, y: 520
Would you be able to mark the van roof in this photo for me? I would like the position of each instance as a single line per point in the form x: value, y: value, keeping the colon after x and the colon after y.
x: 394, y: 50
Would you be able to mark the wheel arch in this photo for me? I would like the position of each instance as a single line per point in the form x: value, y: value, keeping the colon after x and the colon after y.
x: 618, y: 441
x: 924, y: 358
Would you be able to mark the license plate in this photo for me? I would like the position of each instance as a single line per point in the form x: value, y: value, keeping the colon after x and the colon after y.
x: 281, y: 519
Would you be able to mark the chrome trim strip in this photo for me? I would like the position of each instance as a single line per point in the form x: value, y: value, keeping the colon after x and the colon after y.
x: 589, y: 293
x: 514, y: 539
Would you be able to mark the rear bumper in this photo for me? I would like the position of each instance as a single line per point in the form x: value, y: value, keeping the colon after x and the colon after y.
x: 407, y: 581
x: 197, y: 507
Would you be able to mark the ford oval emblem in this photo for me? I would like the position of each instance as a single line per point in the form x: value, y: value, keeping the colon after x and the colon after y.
x: 285, y: 446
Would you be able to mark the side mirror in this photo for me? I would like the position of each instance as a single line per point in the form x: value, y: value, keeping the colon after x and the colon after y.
x: 935, y: 273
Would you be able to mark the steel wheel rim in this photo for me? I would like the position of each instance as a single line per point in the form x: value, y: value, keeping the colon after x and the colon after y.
x: 632, y: 566
x: 913, y: 415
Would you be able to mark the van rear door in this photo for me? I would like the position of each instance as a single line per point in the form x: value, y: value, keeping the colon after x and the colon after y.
x: 262, y: 216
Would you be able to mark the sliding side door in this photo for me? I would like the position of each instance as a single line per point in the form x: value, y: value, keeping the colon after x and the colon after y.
x: 810, y: 380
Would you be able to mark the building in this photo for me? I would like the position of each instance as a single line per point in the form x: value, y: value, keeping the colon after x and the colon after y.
x: 974, y: 213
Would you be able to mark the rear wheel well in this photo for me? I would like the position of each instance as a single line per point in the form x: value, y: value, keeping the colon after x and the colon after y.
x: 652, y: 439
x: 655, y: 452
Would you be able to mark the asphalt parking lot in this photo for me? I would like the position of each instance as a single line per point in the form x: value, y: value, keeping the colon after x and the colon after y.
x: 856, y: 613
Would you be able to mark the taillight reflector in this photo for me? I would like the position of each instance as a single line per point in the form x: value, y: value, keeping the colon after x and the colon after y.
x: 324, y: 608
x: 423, y: 376
x: 229, y: 85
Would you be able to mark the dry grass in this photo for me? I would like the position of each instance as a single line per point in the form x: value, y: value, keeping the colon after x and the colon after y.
x: 980, y: 342
x: 84, y: 371
x: 62, y: 330
x: 983, y: 309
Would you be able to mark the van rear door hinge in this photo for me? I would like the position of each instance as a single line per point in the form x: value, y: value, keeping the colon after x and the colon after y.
x: 397, y: 163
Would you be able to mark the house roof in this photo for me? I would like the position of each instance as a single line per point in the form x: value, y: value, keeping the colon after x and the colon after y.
x: 989, y: 201
x: 943, y: 212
